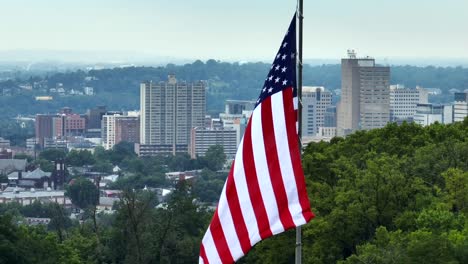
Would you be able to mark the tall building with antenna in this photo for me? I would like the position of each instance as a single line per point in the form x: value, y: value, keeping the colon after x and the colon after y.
x: 365, y: 95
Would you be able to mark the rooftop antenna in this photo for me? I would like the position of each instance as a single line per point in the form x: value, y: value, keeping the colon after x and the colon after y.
x: 351, y: 54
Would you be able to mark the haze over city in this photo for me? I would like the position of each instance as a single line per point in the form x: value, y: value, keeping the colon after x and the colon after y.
x: 401, y: 31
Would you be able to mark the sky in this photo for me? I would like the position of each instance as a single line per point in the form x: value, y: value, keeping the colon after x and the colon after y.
x: 236, y: 29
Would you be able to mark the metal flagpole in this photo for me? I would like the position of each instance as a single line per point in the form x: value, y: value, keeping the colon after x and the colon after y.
x: 299, y: 120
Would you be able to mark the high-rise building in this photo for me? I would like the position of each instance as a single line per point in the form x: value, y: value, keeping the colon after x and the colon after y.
x: 460, y: 107
x: 127, y: 128
x: 169, y: 110
x: 315, y: 101
x: 330, y: 117
x: 43, y: 127
x: 403, y: 102
x: 365, y: 100
x: 203, y: 138
x: 94, y: 117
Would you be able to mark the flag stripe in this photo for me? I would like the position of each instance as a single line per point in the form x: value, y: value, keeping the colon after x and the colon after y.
x: 274, y: 169
x: 295, y: 155
x: 244, y: 197
x: 264, y: 177
x: 220, y: 241
x: 212, y: 256
x: 236, y: 213
x: 253, y: 185
x: 203, y: 258
x: 283, y: 150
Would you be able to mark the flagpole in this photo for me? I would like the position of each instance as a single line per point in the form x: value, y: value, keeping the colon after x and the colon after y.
x: 299, y: 120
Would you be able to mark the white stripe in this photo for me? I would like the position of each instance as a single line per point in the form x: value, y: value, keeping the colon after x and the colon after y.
x: 210, y: 248
x: 263, y: 175
x: 295, y: 103
x: 282, y: 146
x: 244, y: 197
x: 200, y: 260
x: 227, y: 224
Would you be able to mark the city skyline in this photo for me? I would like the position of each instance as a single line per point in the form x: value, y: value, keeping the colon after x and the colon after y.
x: 249, y: 31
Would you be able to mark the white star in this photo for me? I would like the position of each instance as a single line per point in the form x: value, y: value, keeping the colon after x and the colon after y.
x: 258, y: 100
x: 283, y: 69
x: 279, y: 55
x: 292, y: 55
x: 270, y: 90
x: 287, y: 32
x: 277, y: 67
x: 264, y: 89
x: 283, y: 57
x: 285, y: 82
x: 270, y: 78
x: 277, y: 79
x: 285, y: 44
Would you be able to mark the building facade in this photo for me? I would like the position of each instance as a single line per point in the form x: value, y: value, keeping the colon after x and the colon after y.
x: 427, y: 114
x: 365, y: 95
x: 203, y: 138
x: 403, y: 102
x: 315, y: 101
x: 127, y: 128
x: 169, y: 110
x: 460, y: 107
x: 43, y: 127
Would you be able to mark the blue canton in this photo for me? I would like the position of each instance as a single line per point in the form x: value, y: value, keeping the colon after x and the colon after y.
x: 282, y: 73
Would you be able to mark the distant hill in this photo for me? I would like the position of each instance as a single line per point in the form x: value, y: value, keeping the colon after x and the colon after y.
x: 118, y: 88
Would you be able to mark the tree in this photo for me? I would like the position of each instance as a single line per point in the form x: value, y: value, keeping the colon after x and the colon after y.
x: 52, y: 154
x: 79, y: 158
x: 214, y: 158
x: 83, y: 193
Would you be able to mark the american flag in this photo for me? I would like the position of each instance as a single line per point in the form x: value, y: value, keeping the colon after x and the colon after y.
x: 265, y: 192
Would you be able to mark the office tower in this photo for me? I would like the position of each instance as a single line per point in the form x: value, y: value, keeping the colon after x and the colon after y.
x: 315, y: 101
x: 94, y: 117
x: 169, y: 110
x: 403, y: 102
x: 203, y: 138
x: 68, y: 124
x: 460, y: 107
x: 365, y: 102
x: 127, y: 128
x: 330, y: 116
x: 43, y: 127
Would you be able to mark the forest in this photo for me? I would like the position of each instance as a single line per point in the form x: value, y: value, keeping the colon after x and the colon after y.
x: 393, y: 195
x: 118, y: 88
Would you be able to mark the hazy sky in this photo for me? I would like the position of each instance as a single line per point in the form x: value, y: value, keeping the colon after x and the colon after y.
x: 237, y: 29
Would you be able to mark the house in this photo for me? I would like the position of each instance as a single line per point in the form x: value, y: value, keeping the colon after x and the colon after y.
x: 8, y: 166
x: 32, y: 179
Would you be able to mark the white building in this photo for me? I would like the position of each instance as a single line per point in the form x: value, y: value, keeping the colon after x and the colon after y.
x: 460, y: 107
x: 4, y: 143
x: 427, y: 114
x: 203, y: 138
x: 403, y: 101
x: 108, y: 130
x: 315, y: 100
x: 88, y: 90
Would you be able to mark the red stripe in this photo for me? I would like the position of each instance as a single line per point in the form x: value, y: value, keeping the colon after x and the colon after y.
x: 295, y: 153
x: 252, y: 184
x: 274, y: 169
x: 236, y: 213
x: 220, y: 240
x: 203, y: 254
